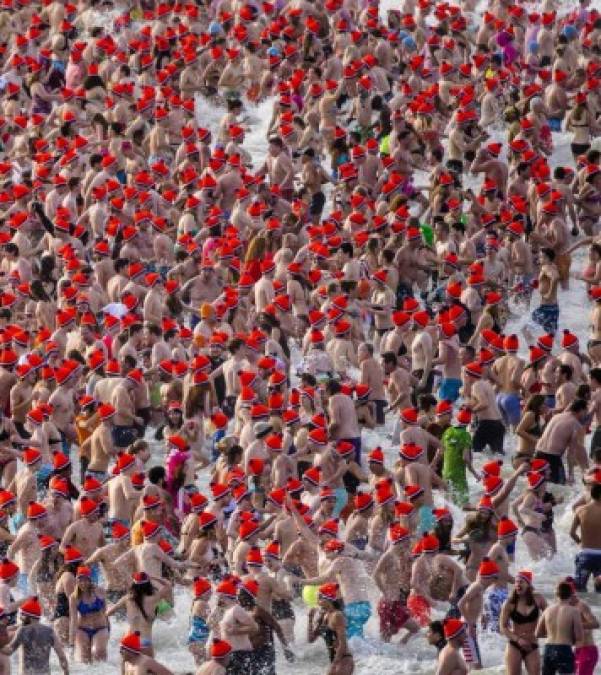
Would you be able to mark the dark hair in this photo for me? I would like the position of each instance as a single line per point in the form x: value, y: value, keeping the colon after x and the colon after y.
x: 564, y: 590
x: 333, y: 387
x: 528, y: 597
x: 426, y: 401
x: 535, y: 403
x: 347, y: 248
x: 549, y: 252
x: 436, y: 627
x: 138, y: 592
x: 595, y: 374
x: 566, y: 370
x: 156, y: 474
x: 578, y: 406
x: 235, y: 345
x: 390, y: 357
x: 596, y: 492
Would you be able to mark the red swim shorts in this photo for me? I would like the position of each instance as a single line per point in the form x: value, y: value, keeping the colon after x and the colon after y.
x: 393, y: 616
x: 419, y: 608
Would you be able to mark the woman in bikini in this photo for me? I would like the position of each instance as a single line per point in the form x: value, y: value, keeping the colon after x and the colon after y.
x: 63, y: 590
x: 580, y: 123
x: 142, y: 605
x: 530, y: 429
x: 89, y: 628
x: 519, y: 617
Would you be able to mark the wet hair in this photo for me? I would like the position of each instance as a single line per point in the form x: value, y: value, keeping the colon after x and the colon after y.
x: 436, y: 627
x: 579, y: 405
x: 564, y: 590
x: 426, y: 401
x: 235, y: 345
x: 535, y: 403
x: 566, y: 370
x: 549, y: 252
x: 387, y: 254
x: 528, y: 597
x: 156, y: 474
x: 347, y: 248
x: 333, y: 387
x: 121, y: 264
x: 595, y: 374
x: 138, y: 592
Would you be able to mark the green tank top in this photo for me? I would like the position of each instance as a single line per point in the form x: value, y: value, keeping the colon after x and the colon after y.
x: 427, y: 234
x: 455, y: 441
x: 385, y: 146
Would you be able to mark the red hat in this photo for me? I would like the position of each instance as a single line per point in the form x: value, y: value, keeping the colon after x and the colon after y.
x: 506, y: 528
x: 31, y: 607
x: 228, y: 588
x: 46, y: 542
x: 125, y: 460
x: 60, y: 461
x: 59, y: 486
x: 525, y: 575
x: 411, y: 452
x: 492, y: 485
x: 453, y: 628
x: 119, y: 531
x: 441, y: 514
x: 444, y: 408
x: 83, y: 571
x: 568, y: 339
x: 535, y: 479
x: 329, y: 591
x: 545, y: 342
x: 36, y: 510
x: 363, y: 501
x: 88, y: 506
x: 106, y: 411
x: 488, y: 568
x: 31, y: 456
x: 329, y: 527
x: 511, y: 343
x: 8, y: 569
x: 247, y: 529
x: 492, y: 468
x: 464, y: 417
x: 254, y: 557
x: 201, y: 587
x: 474, y: 369
x: 430, y: 543
x: 413, y: 491
x: 7, y: 498
x: 376, y: 456
x: 150, y: 528
x: 397, y: 533
x: 409, y: 415
x: 206, y: 519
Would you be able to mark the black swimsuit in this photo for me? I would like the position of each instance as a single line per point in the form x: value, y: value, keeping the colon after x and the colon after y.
x: 62, y: 606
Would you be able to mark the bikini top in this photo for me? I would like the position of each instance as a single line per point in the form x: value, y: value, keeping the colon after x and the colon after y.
x: 520, y: 619
x: 84, y: 608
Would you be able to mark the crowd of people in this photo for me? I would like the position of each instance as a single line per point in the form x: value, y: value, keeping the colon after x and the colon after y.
x: 197, y: 339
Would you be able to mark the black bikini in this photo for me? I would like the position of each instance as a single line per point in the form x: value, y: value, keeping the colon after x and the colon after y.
x: 520, y: 619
